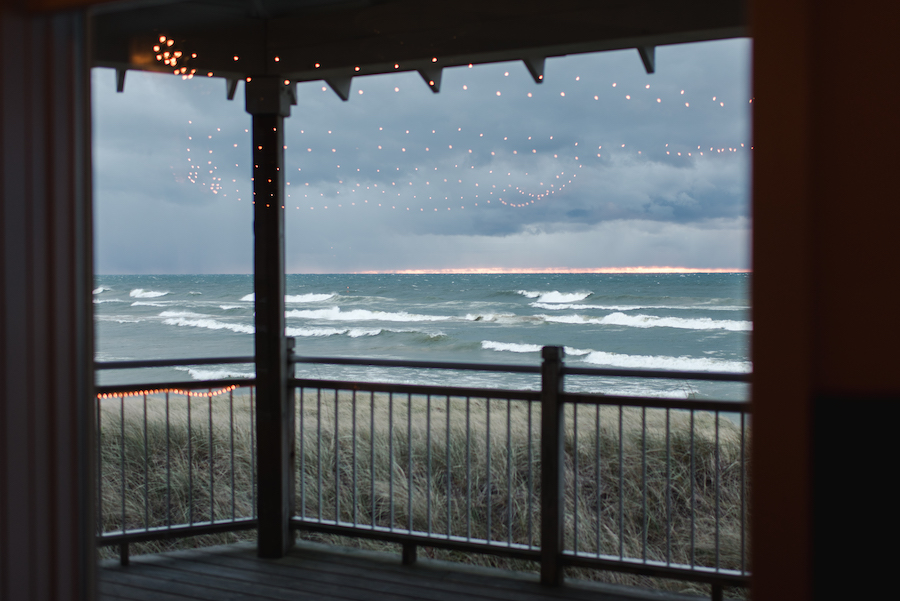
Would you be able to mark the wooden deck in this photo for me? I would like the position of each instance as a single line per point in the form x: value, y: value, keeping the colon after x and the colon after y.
x: 322, y: 573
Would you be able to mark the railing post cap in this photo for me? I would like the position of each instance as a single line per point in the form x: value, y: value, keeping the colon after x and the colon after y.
x: 552, y: 353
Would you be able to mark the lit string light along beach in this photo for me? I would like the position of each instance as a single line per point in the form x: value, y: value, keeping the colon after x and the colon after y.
x: 432, y: 169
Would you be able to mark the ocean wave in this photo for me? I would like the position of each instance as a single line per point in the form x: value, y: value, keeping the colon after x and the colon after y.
x: 510, y: 346
x: 336, y: 314
x: 558, y: 307
x: 141, y: 293
x: 99, y: 290
x: 315, y: 332
x: 230, y: 307
x: 147, y: 304
x: 555, y: 296
x: 652, y: 321
x: 307, y: 298
x: 491, y: 317
x: 663, y: 362
x: 296, y: 298
x: 209, y: 324
x: 222, y: 373
x: 98, y: 301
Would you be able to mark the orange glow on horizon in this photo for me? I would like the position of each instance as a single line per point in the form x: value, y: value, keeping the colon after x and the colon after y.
x: 610, y: 270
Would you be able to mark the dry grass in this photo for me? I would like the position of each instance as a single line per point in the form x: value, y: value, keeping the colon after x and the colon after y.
x: 372, y: 461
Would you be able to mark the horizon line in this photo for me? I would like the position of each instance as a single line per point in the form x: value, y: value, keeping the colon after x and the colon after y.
x: 551, y: 270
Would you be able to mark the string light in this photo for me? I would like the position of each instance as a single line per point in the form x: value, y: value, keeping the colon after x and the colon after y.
x: 180, y: 391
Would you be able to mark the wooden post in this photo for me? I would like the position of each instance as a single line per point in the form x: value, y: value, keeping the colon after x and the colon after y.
x: 552, y: 469
x: 269, y: 103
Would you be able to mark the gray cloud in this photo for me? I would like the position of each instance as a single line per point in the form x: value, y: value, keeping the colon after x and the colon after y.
x: 160, y: 209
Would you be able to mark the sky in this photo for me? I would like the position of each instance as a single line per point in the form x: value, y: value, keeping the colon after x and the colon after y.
x: 600, y: 166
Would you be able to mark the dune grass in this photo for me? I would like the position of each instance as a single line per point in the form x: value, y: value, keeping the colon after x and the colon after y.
x: 442, y: 466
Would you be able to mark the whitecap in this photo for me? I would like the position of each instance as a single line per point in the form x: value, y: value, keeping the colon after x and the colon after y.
x: 209, y: 324
x: 249, y: 298
x: 510, y: 346
x: 141, y: 293
x: 665, y: 362
x: 307, y: 298
x: 555, y: 296
x: 100, y: 289
x: 336, y: 314
x: 652, y: 321
x: 314, y: 332
x: 222, y: 373
x: 147, y: 304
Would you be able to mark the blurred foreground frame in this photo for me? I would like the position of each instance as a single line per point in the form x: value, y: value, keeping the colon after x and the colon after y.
x: 809, y: 373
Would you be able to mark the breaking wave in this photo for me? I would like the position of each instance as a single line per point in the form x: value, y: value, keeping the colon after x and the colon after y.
x: 141, y: 293
x: 336, y: 314
x: 652, y: 321
x: 663, y: 362
x: 555, y: 296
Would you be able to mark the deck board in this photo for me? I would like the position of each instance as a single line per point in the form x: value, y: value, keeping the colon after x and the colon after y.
x: 317, y: 572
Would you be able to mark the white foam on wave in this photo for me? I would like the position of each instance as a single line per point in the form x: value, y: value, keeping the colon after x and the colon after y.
x: 336, y: 314
x: 98, y: 301
x: 208, y: 324
x: 555, y: 296
x: 513, y: 347
x: 315, y: 332
x: 652, y: 321
x: 560, y: 306
x: 200, y: 373
x: 230, y: 307
x: 141, y: 293
x: 491, y: 317
x: 307, y: 298
x: 527, y: 348
x: 147, y: 304
x: 664, y: 362
x: 295, y: 298
x: 100, y: 289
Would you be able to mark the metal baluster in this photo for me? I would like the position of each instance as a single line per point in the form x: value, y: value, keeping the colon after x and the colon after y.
x: 575, y: 477
x: 146, y: 471
x: 718, y: 464
x: 509, y: 519
x: 530, y: 477
x: 168, y: 466
x: 372, y: 450
x: 409, y: 467
x: 355, y: 492
x: 489, y: 534
x: 621, y: 489
x: 337, y: 460
x: 231, y: 436
x: 99, y: 467
x: 644, y: 515
x: 319, y: 452
x: 428, y: 463
x: 302, y: 455
x: 122, y: 455
x: 253, y: 451
x: 190, y: 462
x: 693, y: 500
x: 391, y: 457
x: 743, y: 495
x: 212, y: 457
x: 468, y: 470
x: 668, y: 488
x: 599, y: 479
x: 449, y: 472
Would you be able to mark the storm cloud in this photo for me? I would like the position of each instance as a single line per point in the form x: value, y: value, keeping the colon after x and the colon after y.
x: 600, y: 165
